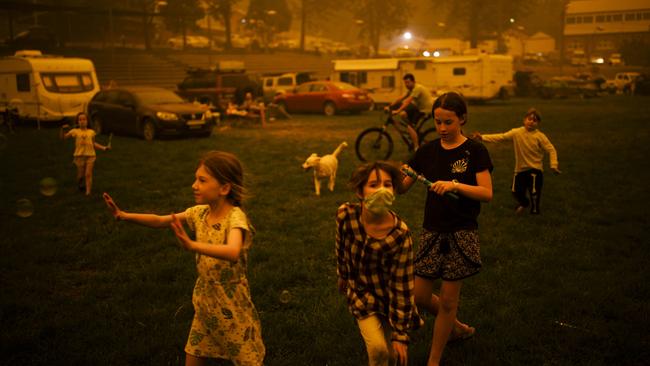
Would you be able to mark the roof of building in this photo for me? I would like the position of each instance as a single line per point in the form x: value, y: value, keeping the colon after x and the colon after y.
x: 598, y: 6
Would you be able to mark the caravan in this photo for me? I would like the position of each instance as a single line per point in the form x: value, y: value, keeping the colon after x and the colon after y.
x: 44, y: 87
x: 477, y: 77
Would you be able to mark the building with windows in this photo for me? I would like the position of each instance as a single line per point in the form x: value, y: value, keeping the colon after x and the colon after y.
x: 600, y: 28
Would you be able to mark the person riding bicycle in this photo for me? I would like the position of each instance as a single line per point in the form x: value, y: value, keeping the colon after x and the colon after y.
x: 411, y: 107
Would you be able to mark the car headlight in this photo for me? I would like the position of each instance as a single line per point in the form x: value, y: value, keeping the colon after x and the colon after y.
x: 347, y: 95
x: 166, y: 116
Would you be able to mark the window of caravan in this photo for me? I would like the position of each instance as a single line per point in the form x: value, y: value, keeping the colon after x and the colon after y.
x: 387, y: 81
x: 22, y: 82
x: 459, y: 71
x: 67, y: 83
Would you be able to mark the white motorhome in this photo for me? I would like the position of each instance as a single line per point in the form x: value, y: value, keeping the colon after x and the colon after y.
x: 44, y: 87
x: 477, y: 77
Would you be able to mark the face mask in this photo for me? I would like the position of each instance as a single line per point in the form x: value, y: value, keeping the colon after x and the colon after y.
x: 379, y: 202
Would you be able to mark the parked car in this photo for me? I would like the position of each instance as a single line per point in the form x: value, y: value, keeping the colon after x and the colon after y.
x: 642, y: 85
x: 227, y: 81
x: 278, y: 84
x: 326, y: 97
x: 621, y: 82
x: 190, y: 42
x: 148, y: 112
x: 582, y: 85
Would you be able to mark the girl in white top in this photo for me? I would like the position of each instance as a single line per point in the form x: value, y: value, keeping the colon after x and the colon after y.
x: 84, y: 152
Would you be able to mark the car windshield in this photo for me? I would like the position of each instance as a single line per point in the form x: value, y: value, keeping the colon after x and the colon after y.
x: 345, y: 86
x: 158, y: 97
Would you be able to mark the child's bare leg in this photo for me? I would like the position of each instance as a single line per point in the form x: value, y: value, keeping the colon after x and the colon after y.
x: 191, y: 360
x: 81, y: 172
x: 447, y: 309
x: 414, y: 136
x: 426, y: 299
x: 88, y: 173
x: 263, y: 115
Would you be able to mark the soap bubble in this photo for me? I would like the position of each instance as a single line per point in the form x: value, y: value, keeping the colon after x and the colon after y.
x: 24, y: 208
x: 285, y: 296
x: 48, y: 186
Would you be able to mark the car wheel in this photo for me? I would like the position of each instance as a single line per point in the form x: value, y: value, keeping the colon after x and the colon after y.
x: 148, y: 130
x: 329, y: 109
x: 98, y: 125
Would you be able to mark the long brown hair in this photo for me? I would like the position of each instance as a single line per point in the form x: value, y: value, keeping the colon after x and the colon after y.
x: 227, y: 169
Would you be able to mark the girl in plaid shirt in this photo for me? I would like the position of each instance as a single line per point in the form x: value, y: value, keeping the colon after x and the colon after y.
x: 375, y: 264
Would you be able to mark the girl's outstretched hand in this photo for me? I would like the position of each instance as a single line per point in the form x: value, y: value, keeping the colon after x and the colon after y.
x: 180, y: 233
x: 115, y: 211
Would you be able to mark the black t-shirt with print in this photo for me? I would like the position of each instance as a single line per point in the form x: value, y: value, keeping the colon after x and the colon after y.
x: 442, y: 213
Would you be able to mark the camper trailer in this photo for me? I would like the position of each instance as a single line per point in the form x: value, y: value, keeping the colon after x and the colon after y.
x: 477, y: 77
x: 46, y: 88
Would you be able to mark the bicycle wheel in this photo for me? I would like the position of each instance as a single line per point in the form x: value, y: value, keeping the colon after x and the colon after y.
x: 428, y: 135
x: 374, y: 144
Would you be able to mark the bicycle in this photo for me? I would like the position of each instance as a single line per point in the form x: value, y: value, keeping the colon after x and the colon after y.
x: 375, y: 143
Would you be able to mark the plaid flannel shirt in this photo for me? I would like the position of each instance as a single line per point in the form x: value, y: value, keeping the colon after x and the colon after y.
x: 378, y: 272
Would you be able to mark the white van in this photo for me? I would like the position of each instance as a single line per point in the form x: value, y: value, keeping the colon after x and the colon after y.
x: 44, y: 87
x: 477, y: 77
x: 273, y: 85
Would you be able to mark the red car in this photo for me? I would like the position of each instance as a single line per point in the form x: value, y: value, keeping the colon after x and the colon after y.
x: 324, y: 96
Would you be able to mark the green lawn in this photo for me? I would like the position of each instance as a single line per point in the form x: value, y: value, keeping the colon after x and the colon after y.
x: 563, y: 288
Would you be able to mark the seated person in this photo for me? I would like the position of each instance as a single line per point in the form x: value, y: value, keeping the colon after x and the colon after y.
x: 248, y: 109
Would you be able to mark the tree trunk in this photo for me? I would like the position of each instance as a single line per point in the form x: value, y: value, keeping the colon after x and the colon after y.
x: 473, y: 25
x: 303, y: 25
x: 226, y: 14
x: 145, y: 23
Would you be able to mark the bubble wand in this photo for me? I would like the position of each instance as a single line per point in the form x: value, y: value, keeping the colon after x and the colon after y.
x: 110, y: 139
x: 420, y: 178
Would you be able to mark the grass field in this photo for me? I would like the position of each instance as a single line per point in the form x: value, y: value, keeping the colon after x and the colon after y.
x: 567, y: 287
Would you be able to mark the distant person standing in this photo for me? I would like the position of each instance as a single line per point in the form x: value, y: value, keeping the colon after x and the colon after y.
x: 530, y: 144
x: 84, y: 152
x: 415, y: 104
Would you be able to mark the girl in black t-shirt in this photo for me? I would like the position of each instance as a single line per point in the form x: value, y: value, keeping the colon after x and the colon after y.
x: 449, y: 244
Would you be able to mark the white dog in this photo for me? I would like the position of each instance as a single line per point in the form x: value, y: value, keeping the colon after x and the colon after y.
x: 324, y: 167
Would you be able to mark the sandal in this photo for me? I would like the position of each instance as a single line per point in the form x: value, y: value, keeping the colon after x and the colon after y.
x: 466, y: 332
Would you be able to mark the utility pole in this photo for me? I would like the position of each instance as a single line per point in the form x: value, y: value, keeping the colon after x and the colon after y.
x: 565, y: 4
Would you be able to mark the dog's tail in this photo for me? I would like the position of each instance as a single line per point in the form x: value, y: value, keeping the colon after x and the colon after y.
x: 339, y: 148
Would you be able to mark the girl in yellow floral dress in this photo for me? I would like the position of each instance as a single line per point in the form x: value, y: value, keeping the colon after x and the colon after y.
x: 226, y: 324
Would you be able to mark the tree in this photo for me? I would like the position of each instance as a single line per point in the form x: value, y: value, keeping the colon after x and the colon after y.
x: 179, y: 14
x: 379, y: 18
x: 222, y: 9
x: 482, y: 19
x: 267, y: 17
x: 309, y: 9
